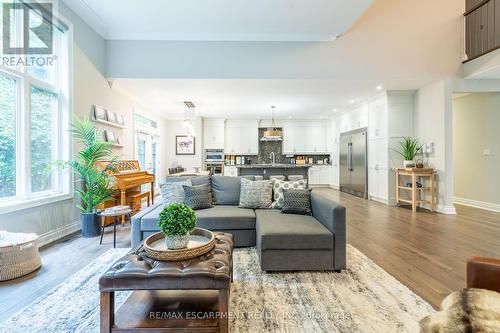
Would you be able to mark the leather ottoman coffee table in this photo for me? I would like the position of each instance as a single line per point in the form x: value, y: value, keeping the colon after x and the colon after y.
x: 176, y: 296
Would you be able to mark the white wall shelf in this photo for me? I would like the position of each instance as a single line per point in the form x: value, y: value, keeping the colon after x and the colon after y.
x: 108, y: 123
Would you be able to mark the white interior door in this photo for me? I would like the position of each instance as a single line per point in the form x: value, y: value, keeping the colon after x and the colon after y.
x: 148, y: 154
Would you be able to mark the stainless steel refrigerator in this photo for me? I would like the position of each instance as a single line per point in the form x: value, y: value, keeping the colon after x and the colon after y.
x: 353, y: 158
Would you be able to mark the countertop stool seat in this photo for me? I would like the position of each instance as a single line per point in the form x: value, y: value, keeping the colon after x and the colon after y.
x: 295, y: 177
x: 162, y: 289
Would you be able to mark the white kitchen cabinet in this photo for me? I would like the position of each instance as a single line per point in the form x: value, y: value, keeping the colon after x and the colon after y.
x: 313, y: 175
x: 320, y: 175
x: 213, y: 133
x: 230, y: 170
x: 304, y: 137
x: 390, y: 118
x: 241, y: 137
x: 377, y: 170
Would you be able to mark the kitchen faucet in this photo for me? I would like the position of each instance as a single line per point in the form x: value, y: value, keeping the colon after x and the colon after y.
x: 272, y: 157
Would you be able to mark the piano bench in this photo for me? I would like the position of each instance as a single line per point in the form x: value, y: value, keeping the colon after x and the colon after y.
x: 137, y: 200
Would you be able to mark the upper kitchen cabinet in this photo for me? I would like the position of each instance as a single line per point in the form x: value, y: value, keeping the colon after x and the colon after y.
x: 482, y: 27
x: 242, y: 137
x: 304, y: 137
x: 213, y: 133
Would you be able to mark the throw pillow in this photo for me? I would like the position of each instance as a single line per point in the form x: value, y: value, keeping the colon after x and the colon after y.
x: 173, y: 192
x: 226, y: 190
x: 297, y: 202
x: 280, y: 185
x: 256, y: 194
x: 198, y: 197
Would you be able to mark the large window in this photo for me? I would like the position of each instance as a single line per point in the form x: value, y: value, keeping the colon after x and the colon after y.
x: 34, y: 112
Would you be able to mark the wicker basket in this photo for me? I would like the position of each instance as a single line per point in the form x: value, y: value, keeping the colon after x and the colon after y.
x: 18, y: 258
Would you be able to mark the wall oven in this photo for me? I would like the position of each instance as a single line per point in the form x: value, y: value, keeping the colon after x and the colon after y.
x: 214, y: 155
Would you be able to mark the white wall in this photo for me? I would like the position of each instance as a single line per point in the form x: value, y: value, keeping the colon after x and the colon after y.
x: 476, y: 124
x: 174, y: 127
x: 429, y: 127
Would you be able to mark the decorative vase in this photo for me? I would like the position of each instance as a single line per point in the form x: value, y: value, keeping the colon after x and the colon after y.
x: 408, y: 164
x: 90, y: 223
x: 176, y: 242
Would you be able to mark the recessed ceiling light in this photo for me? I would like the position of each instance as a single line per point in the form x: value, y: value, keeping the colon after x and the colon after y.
x: 379, y: 87
x: 334, y: 110
x: 353, y: 101
x: 289, y: 117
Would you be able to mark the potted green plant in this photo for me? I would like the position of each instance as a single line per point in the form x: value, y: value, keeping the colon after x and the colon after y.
x: 409, y: 148
x: 96, y: 187
x: 177, y: 221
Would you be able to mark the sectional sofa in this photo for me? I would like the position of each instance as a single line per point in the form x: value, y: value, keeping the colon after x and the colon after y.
x: 285, y: 242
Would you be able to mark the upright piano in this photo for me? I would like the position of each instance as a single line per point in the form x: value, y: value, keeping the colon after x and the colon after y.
x: 127, y: 178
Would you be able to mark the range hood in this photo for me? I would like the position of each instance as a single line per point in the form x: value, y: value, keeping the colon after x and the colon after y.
x: 272, y: 133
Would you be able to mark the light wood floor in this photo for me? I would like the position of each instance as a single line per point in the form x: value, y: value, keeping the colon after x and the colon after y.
x: 426, y: 251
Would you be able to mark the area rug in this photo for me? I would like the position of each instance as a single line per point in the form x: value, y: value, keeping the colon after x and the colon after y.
x: 363, y: 298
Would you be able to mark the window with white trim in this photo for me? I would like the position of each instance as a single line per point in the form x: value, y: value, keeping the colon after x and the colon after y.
x: 34, y: 117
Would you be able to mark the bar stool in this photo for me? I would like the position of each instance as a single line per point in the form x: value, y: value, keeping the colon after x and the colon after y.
x: 277, y: 177
x: 295, y: 177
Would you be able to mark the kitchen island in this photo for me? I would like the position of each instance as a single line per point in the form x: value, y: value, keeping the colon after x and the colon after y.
x: 267, y: 170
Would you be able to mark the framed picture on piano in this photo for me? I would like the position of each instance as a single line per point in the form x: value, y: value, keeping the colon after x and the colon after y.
x: 184, y: 145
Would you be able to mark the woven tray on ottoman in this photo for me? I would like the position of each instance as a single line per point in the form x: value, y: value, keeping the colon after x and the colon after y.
x: 18, y: 255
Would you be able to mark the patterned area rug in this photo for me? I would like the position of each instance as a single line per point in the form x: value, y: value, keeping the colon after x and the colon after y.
x: 364, y: 298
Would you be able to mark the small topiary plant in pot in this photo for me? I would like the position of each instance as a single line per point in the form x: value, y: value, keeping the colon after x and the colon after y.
x: 177, y: 221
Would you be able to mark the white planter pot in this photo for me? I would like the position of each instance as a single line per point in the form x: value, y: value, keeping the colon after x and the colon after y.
x: 408, y: 164
x: 176, y: 242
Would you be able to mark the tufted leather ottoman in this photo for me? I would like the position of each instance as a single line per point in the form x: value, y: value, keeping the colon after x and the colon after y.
x: 190, y: 295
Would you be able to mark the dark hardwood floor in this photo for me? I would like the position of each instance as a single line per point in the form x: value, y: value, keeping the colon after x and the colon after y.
x: 426, y: 251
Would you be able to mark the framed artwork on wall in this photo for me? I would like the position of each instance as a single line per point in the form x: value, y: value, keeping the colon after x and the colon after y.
x: 110, y: 136
x: 184, y: 145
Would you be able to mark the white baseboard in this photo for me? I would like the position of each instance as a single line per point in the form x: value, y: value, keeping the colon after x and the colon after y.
x: 56, y: 234
x: 447, y: 210
x: 380, y: 200
x: 335, y: 187
x: 477, y: 204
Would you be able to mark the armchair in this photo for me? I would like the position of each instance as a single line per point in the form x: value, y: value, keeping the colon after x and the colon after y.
x: 483, y: 273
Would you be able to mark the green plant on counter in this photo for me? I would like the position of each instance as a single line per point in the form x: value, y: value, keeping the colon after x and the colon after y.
x: 409, y: 148
x: 177, y: 220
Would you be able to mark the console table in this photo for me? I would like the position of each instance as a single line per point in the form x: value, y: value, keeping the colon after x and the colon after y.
x: 416, y: 194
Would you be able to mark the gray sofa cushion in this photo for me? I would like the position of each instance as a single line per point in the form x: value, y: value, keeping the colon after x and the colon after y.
x: 216, y: 218
x: 225, y: 218
x: 226, y: 190
x: 173, y: 192
x: 198, y: 197
x: 200, y: 180
x: 256, y: 194
x: 150, y: 220
x: 297, y: 202
x: 290, y: 232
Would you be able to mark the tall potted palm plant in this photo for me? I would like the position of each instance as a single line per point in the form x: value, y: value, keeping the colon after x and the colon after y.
x: 96, y: 187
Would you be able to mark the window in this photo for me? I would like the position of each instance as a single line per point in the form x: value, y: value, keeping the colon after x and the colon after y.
x: 8, y: 102
x: 34, y: 116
